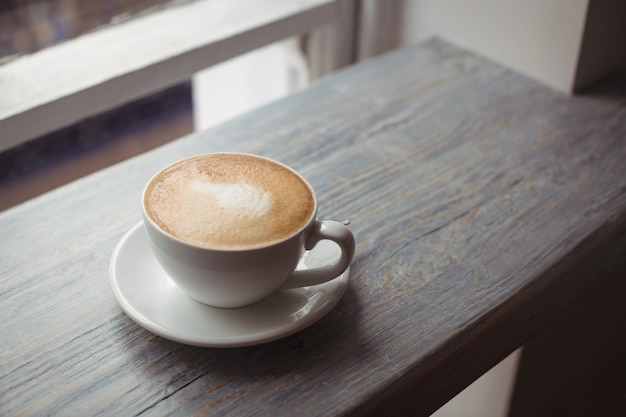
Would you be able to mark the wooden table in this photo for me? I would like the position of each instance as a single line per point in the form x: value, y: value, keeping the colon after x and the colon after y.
x: 483, y: 204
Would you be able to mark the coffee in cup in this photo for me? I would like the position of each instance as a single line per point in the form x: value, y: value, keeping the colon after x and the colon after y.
x: 230, y: 228
x: 229, y: 201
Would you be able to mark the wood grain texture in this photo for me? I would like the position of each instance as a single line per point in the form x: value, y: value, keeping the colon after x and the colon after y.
x: 473, y: 193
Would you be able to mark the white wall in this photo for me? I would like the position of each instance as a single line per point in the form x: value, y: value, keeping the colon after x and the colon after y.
x: 489, y: 396
x: 539, y: 38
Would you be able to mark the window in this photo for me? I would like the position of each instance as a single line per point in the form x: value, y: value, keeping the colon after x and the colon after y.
x: 148, y: 46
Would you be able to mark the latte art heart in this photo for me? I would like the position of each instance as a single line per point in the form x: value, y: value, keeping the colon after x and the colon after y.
x: 245, y: 197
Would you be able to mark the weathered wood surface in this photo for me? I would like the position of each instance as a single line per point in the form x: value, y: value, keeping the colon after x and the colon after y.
x: 472, y: 191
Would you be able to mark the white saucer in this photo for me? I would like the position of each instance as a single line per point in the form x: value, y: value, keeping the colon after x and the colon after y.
x: 147, y: 294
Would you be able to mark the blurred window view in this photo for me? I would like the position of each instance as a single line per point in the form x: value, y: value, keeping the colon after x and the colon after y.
x: 28, y: 26
x: 209, y: 97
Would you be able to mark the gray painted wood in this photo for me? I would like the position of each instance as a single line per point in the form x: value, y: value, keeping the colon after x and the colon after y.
x: 474, y: 193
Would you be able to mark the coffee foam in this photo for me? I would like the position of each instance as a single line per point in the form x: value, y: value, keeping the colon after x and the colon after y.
x: 244, y: 197
x: 229, y: 201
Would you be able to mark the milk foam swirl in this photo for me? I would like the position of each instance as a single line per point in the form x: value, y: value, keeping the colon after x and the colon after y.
x: 244, y: 197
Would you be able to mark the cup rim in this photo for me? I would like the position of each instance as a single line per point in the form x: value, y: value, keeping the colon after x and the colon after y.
x: 273, y: 243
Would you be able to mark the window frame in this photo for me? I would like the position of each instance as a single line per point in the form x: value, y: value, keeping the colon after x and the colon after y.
x: 99, y: 71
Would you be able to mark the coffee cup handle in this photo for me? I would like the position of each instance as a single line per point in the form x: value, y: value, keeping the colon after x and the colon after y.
x: 331, y: 230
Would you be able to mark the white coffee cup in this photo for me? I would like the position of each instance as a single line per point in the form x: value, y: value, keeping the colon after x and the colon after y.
x: 231, y: 272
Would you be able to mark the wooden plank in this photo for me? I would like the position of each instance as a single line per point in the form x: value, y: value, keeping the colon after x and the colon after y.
x: 472, y: 190
x: 102, y: 70
x: 345, y: 34
x: 380, y: 27
x: 341, y: 38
